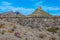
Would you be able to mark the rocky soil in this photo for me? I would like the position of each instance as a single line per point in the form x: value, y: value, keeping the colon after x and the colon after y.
x: 28, y: 29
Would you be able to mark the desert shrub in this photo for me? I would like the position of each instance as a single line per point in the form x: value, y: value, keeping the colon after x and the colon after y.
x: 59, y: 33
x: 12, y: 29
x: 53, y: 38
x: 2, y: 25
x: 2, y: 33
x: 54, y: 30
x: 42, y: 36
x: 26, y: 38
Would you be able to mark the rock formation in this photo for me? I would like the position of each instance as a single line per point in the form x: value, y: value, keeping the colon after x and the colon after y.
x: 40, y: 13
x: 11, y: 14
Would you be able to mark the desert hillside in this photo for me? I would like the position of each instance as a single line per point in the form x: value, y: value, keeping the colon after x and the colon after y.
x: 8, y: 30
x: 37, y: 26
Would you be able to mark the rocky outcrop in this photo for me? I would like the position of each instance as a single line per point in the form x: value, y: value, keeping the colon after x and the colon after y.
x: 40, y: 13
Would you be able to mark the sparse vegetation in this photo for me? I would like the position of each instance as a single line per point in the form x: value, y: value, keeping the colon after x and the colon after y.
x: 59, y: 33
x: 33, y: 27
x: 2, y: 32
x: 26, y: 38
x: 53, y: 30
x: 42, y: 36
x: 53, y: 38
x: 1, y: 25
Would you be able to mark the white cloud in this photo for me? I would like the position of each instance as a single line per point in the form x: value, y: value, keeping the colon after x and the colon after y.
x: 46, y: 7
x: 51, y: 8
x: 39, y: 3
x: 25, y: 11
x: 5, y: 3
x: 6, y: 6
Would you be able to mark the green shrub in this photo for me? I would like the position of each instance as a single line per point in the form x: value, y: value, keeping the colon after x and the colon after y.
x: 59, y: 33
x: 53, y: 38
x: 54, y: 30
x: 42, y: 36
x: 1, y: 25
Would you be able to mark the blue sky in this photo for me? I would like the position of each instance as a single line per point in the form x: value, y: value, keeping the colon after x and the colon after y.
x: 26, y: 7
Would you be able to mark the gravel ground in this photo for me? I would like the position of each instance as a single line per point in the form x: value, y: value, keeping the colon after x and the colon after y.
x: 8, y: 30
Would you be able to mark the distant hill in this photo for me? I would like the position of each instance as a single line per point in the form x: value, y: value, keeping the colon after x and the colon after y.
x: 37, y: 13
x: 11, y: 14
x: 40, y: 13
